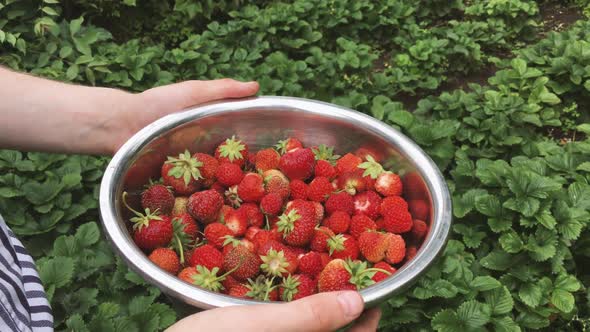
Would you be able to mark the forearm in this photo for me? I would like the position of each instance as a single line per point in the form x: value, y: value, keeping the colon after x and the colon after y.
x: 42, y: 115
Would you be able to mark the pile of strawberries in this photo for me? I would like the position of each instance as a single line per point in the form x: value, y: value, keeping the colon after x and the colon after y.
x: 279, y: 224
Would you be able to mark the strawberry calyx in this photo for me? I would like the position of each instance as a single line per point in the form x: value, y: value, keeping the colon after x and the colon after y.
x: 260, y: 288
x: 229, y: 239
x: 141, y: 219
x: 360, y: 275
x: 286, y: 223
x: 323, y: 152
x: 232, y: 196
x: 185, y: 167
x: 290, y: 288
x: 180, y: 240
x: 281, y: 146
x: 232, y: 149
x: 335, y: 242
x: 209, y: 279
x: 274, y: 263
x: 372, y: 168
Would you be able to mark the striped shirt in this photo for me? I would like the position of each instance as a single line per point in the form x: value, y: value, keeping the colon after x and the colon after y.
x: 23, y: 303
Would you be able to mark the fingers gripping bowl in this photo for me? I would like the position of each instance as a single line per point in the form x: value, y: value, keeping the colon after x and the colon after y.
x: 260, y: 122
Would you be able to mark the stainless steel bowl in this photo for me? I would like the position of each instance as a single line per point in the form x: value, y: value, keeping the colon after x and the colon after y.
x: 260, y: 122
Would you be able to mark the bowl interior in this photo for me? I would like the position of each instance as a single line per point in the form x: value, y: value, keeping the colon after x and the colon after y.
x: 260, y: 124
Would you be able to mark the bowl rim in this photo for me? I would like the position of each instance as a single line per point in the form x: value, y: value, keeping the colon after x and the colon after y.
x: 119, y: 238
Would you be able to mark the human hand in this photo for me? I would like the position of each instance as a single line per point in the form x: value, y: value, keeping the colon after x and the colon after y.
x: 317, y: 313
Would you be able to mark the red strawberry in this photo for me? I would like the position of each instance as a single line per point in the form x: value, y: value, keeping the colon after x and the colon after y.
x: 229, y: 174
x: 215, y: 234
x: 419, y: 229
x: 319, y: 241
x: 204, y: 206
x: 218, y: 187
x: 232, y: 150
x: 319, y: 212
x: 229, y: 283
x: 279, y: 263
x: 359, y: 224
x: 297, y: 223
x: 379, y: 276
x: 325, y: 256
x: 157, y: 198
x: 411, y: 252
x: 180, y: 204
x: 396, y: 250
x: 269, y: 244
x: 296, y: 287
x: 340, y: 202
x: 251, y: 161
x: 264, y: 237
x: 276, y: 182
x: 237, y: 222
x: 271, y: 204
x: 298, y: 189
x: 393, y: 206
x: 343, y: 246
x: 207, y: 256
x: 338, y: 222
x: 253, y: 214
x: 288, y: 145
x: 297, y: 164
x: 389, y: 184
x: 251, y: 188
x: 310, y: 264
x: 319, y: 189
x: 267, y: 159
x: 364, y: 151
x: 187, y: 274
x: 230, y: 242
x: 414, y: 187
x: 345, y: 275
x: 182, y: 173
x: 151, y: 230
x: 239, y: 290
x: 244, y: 263
x: 397, y: 224
x: 251, y: 232
x: 208, y: 169
x: 351, y: 182
x: 166, y: 259
x: 347, y: 163
x: 373, y: 245
x: 224, y: 213
x: 419, y: 209
x: 368, y: 203
x: 325, y: 169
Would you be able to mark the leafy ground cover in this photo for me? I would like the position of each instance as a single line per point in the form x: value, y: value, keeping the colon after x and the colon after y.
x: 495, y: 91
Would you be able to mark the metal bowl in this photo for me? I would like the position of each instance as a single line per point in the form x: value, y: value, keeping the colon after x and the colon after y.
x: 260, y: 122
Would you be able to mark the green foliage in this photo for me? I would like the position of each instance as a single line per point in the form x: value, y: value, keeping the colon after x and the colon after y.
x: 514, y: 151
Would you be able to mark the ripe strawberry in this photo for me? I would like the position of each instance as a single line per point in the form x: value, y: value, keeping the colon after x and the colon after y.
x: 325, y: 256
x: 379, y: 276
x: 359, y: 224
x: 269, y: 244
x: 298, y: 189
x: 229, y: 283
x: 253, y: 214
x: 389, y: 184
x: 271, y: 204
x: 267, y: 159
x: 397, y: 224
x: 345, y: 275
x: 347, y: 163
x: 365, y: 151
x: 218, y: 187
x: 419, y: 209
x: 343, y: 246
x: 208, y: 169
x: 419, y: 229
x: 296, y: 287
x: 396, y: 250
x: 263, y: 237
x: 204, y: 205
x: 351, y: 182
x: 187, y: 274
x: 215, y: 234
x: 340, y: 202
x: 325, y: 169
x: 251, y: 232
x: 279, y: 263
x: 411, y: 252
x: 251, y: 188
x: 393, y: 206
x: 182, y: 173
x: 239, y: 290
x: 338, y: 222
x: 319, y: 212
x: 224, y: 213
x: 166, y: 259
x: 297, y: 223
x: 207, y: 256
x: 319, y: 241
x: 319, y: 189
x: 151, y: 231
x: 229, y: 174
x: 373, y: 245
x: 288, y: 145
x: 310, y: 264
x: 297, y: 164
x: 230, y: 242
x: 237, y: 222
x: 180, y: 204
x: 276, y: 182
x: 245, y: 263
x: 368, y: 203
x: 157, y: 198
x: 233, y: 151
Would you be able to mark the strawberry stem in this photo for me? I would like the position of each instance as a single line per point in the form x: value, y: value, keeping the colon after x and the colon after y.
x: 124, y: 198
